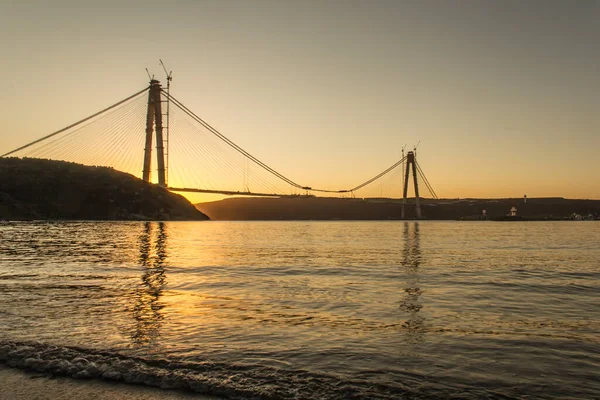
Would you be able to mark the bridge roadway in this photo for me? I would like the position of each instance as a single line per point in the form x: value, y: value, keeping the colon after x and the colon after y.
x: 226, y: 192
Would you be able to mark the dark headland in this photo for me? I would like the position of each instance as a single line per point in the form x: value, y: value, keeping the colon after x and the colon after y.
x: 316, y: 208
x: 33, y: 189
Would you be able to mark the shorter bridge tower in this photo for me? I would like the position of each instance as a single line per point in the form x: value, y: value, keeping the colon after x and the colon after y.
x: 410, y: 161
x: 154, y: 123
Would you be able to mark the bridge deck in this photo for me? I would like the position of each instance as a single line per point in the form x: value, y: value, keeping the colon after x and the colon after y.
x: 226, y: 192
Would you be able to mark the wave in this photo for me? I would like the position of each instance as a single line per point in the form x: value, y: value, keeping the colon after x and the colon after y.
x: 228, y: 380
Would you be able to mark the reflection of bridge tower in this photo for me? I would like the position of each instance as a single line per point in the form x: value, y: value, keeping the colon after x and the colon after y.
x: 154, y: 123
x: 414, y: 323
x: 410, y: 161
x: 147, y: 307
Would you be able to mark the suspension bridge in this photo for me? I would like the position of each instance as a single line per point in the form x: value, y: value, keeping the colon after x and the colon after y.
x: 193, y: 156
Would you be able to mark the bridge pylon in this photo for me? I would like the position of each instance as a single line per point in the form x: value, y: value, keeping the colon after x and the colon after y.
x: 154, y: 123
x: 410, y: 161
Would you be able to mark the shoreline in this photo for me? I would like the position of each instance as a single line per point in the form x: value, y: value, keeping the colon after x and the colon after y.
x: 17, y: 384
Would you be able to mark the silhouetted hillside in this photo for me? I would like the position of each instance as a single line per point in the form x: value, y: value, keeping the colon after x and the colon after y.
x: 315, y: 208
x: 44, y: 189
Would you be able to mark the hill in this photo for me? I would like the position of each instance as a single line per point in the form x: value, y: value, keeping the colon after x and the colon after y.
x: 43, y: 189
x: 316, y: 208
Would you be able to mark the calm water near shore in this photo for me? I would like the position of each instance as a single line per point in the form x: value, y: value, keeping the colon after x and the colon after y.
x: 308, y: 309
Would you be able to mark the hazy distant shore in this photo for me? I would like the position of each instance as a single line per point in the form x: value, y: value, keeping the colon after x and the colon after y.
x: 316, y: 208
x: 22, y: 385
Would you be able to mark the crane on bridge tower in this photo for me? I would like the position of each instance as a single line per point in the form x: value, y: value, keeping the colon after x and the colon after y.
x: 167, y: 126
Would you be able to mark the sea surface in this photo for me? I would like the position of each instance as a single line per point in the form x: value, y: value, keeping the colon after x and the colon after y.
x: 308, y: 310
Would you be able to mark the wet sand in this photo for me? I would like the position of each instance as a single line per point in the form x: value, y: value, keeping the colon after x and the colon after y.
x: 16, y: 384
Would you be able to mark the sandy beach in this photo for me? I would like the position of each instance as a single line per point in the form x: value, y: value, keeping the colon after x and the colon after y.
x: 16, y: 384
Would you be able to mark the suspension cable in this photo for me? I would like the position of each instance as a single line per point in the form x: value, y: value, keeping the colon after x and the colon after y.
x: 433, y: 193
x: 429, y: 187
x: 377, y: 176
x: 230, y: 143
x: 263, y: 165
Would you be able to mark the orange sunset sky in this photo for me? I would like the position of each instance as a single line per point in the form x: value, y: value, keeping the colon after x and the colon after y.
x: 503, y: 96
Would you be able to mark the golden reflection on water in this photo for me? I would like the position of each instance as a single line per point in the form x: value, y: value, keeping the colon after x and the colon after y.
x: 152, y: 305
x: 411, y: 261
x: 239, y: 283
x: 147, y: 310
x: 441, y: 299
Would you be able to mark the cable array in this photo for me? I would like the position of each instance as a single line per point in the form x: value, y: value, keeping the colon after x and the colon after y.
x: 200, y: 157
x: 386, y: 186
x: 113, y: 137
x: 426, y: 181
x: 205, y: 153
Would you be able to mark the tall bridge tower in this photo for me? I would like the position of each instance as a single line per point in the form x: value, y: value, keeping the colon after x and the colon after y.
x: 410, y: 161
x: 154, y: 123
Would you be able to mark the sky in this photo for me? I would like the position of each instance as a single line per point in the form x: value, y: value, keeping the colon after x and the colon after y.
x: 503, y: 97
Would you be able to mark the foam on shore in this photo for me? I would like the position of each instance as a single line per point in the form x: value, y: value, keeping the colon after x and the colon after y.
x: 21, y: 385
x: 227, y: 380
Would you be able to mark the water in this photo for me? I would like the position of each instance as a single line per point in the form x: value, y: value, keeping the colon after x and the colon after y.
x: 308, y: 309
